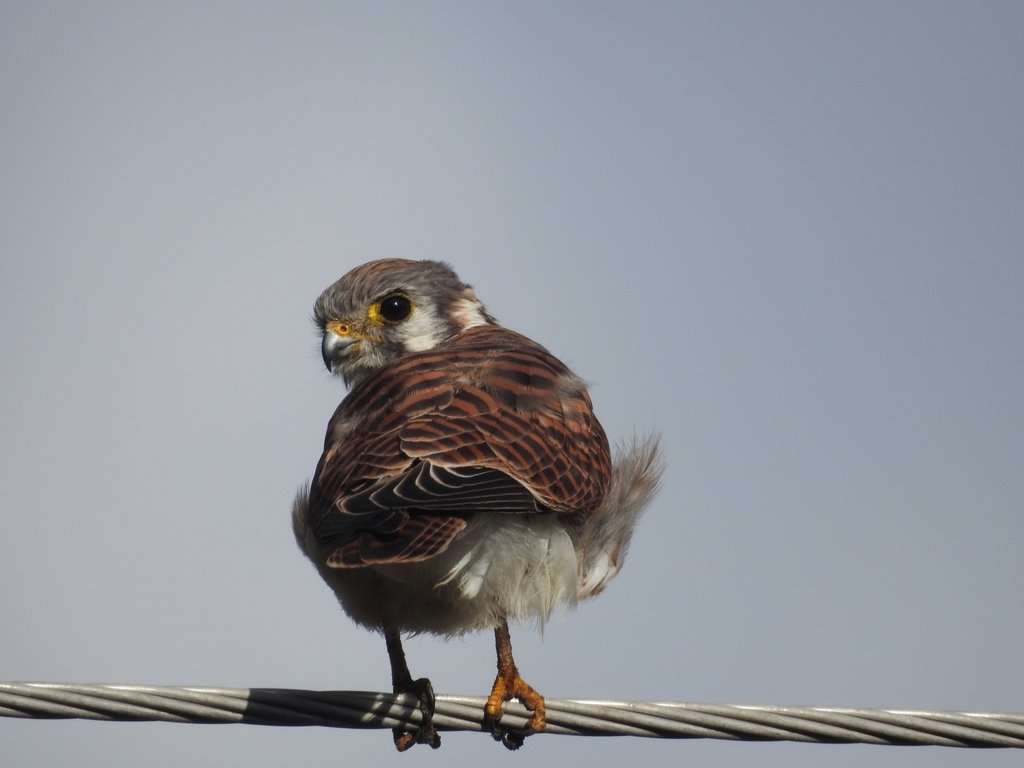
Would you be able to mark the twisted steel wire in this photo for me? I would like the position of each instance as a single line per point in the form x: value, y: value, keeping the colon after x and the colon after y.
x: 359, y: 709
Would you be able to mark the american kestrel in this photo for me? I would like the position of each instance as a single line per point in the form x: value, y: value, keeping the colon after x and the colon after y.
x: 465, y: 480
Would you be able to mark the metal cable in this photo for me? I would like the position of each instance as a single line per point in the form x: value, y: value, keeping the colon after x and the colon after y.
x: 358, y: 709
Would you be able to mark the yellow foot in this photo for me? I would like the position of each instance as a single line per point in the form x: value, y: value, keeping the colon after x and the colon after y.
x: 506, y: 689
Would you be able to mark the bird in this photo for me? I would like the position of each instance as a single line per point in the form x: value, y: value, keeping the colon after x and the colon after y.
x: 465, y: 480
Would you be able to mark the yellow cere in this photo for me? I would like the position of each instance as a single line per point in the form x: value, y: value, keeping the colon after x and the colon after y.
x: 342, y: 329
x: 348, y: 329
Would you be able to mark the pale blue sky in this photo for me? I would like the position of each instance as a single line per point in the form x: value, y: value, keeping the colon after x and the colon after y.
x: 789, y: 235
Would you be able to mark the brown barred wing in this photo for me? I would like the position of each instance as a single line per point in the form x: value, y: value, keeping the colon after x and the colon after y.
x: 422, y: 537
x: 488, y: 423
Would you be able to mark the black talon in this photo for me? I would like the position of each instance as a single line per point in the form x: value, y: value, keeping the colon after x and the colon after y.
x: 492, y: 725
x: 513, y: 740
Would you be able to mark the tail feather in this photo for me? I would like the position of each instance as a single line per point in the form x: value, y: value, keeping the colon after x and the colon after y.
x: 602, y: 539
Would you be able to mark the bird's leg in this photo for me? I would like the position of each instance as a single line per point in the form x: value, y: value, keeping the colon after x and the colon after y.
x: 402, y: 682
x: 509, y: 685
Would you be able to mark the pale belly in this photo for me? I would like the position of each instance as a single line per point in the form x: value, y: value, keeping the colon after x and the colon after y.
x: 520, y: 567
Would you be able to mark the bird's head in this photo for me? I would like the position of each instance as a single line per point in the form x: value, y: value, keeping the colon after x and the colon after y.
x: 384, y: 309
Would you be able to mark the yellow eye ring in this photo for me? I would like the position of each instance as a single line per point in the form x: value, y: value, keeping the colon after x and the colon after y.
x: 392, y: 309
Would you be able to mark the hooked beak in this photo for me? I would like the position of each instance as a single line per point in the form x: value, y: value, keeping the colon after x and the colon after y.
x: 334, y: 347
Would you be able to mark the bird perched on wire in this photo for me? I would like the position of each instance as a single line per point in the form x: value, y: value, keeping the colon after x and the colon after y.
x: 465, y: 480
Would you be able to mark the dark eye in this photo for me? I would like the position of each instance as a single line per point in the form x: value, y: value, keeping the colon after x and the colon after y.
x: 395, y: 309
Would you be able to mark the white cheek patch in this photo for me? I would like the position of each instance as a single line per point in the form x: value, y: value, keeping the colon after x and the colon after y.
x: 424, y: 330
